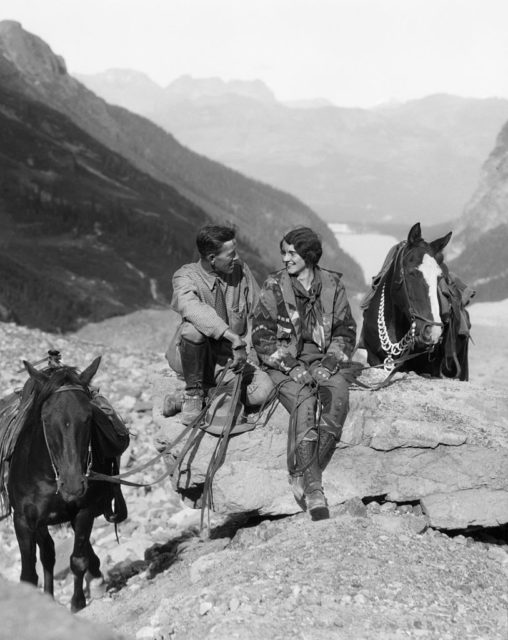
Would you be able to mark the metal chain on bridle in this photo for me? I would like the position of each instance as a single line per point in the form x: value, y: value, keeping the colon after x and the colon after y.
x: 392, y: 349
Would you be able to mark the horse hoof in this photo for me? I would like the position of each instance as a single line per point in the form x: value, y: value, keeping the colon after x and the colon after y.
x: 77, y: 605
x: 95, y: 586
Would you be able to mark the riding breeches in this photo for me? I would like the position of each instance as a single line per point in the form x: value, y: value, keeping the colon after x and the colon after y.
x: 202, y: 361
x: 333, y: 396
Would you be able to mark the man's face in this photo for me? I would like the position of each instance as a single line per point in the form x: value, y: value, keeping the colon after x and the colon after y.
x: 292, y: 260
x: 224, y: 260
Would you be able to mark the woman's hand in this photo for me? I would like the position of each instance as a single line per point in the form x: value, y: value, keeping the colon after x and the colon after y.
x: 321, y: 374
x: 300, y: 375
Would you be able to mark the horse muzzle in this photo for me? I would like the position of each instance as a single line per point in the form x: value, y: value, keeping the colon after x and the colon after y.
x: 72, y: 489
x: 429, y: 334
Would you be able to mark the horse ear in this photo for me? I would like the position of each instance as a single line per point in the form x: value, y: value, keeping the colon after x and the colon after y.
x: 90, y: 371
x: 415, y: 234
x: 439, y: 244
x: 34, y: 373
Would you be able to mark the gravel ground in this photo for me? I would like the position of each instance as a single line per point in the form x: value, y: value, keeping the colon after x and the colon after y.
x: 370, y: 572
x: 368, y: 575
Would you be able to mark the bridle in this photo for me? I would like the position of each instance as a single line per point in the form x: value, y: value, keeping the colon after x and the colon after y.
x: 50, y: 453
x: 395, y: 350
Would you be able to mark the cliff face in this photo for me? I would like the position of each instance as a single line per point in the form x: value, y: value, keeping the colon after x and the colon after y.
x: 260, y: 212
x: 482, y: 234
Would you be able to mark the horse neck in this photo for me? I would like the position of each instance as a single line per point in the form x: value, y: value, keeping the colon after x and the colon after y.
x: 399, y: 316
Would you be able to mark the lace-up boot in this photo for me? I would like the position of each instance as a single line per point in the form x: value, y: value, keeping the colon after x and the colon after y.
x: 326, y: 448
x: 191, y: 408
x: 306, y: 459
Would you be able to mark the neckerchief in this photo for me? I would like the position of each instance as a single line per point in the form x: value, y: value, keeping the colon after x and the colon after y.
x: 310, y: 309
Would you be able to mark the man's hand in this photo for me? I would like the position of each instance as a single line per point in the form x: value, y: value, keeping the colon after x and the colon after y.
x: 321, y: 374
x: 234, y: 338
x: 239, y: 358
x: 300, y: 375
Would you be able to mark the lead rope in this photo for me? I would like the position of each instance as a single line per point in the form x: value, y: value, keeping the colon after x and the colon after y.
x: 219, y: 453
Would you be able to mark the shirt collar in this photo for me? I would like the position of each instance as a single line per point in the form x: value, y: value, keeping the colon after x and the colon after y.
x: 210, y: 277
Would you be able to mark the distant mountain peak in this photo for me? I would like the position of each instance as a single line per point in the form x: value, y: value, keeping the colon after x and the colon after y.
x: 188, y: 88
x: 121, y: 76
x: 32, y: 57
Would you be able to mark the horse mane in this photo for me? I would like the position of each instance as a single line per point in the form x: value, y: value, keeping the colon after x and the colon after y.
x: 391, y: 260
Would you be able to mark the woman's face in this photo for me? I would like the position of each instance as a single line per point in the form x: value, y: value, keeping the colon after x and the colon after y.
x: 292, y: 260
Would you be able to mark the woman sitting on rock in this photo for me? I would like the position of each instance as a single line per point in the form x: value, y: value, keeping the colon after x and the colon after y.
x: 303, y: 331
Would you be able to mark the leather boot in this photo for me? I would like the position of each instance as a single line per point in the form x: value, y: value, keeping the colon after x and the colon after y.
x: 191, y: 408
x: 193, y: 357
x: 306, y: 459
x: 326, y: 448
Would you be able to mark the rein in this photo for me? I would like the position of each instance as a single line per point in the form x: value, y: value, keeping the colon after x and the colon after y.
x: 191, y: 431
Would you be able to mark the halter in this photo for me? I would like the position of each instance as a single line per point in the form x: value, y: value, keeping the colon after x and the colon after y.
x: 50, y: 453
x: 412, y: 313
x: 404, y: 345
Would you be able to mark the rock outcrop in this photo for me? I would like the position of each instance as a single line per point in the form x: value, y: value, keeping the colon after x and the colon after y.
x: 438, y: 442
x: 27, y: 614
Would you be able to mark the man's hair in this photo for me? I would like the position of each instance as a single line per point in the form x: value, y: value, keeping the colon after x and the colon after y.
x: 307, y: 244
x: 211, y: 238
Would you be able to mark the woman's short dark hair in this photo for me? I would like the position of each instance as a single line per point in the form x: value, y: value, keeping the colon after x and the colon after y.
x: 307, y: 244
x: 211, y: 237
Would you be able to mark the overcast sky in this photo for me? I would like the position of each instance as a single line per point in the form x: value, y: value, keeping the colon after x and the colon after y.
x: 353, y: 52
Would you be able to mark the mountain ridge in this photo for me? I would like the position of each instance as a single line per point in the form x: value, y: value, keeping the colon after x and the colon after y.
x: 91, y: 231
x: 417, y: 159
x: 258, y: 210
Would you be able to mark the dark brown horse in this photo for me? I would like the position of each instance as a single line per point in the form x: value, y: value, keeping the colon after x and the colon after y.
x: 48, y: 476
x: 404, y: 320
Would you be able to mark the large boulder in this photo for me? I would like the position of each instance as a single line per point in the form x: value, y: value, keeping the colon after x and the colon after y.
x: 28, y: 614
x: 442, y: 443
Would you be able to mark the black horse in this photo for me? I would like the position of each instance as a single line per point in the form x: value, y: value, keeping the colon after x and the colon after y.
x: 415, y: 307
x: 48, y: 476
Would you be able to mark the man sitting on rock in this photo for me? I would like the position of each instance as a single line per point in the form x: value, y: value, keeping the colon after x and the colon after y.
x: 215, y: 297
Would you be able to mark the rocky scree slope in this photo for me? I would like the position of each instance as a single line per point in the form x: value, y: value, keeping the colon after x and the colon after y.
x: 372, y: 571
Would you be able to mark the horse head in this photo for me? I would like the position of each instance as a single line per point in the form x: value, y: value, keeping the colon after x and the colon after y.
x: 414, y: 288
x: 63, y: 402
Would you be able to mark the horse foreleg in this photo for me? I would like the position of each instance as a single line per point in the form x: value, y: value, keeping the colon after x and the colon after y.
x: 47, y: 555
x: 95, y: 586
x: 27, y: 548
x: 80, y: 557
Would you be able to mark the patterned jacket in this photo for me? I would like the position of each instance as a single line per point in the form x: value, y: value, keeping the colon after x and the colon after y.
x: 276, y: 327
